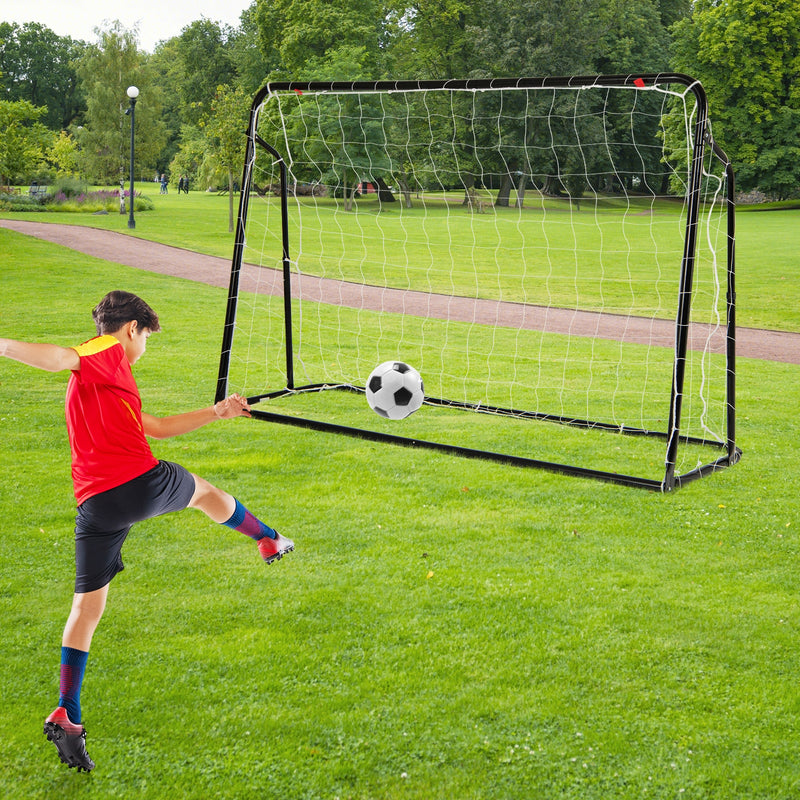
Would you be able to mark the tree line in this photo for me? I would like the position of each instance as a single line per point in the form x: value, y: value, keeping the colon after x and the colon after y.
x: 63, y: 101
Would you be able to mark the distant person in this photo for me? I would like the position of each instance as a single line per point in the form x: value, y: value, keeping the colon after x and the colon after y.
x: 163, y: 183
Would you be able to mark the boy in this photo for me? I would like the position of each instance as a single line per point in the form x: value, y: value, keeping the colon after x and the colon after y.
x: 119, y: 482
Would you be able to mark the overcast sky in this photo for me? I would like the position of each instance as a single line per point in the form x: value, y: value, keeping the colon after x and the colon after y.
x: 155, y: 19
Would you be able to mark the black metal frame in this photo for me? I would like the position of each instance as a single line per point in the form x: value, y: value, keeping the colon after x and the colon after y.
x: 673, y: 436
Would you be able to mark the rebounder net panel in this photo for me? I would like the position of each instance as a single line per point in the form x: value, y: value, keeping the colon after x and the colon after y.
x: 554, y: 256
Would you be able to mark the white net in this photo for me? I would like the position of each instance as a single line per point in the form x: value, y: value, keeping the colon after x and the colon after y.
x: 521, y: 246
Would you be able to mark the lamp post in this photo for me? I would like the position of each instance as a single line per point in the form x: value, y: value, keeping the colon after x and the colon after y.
x: 133, y: 93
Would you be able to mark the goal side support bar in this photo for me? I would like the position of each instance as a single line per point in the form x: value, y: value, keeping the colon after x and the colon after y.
x: 238, y: 253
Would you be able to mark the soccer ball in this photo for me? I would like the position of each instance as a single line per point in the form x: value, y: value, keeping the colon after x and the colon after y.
x: 395, y: 390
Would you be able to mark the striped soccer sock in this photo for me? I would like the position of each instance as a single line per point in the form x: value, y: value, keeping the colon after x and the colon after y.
x: 243, y: 521
x: 73, y: 665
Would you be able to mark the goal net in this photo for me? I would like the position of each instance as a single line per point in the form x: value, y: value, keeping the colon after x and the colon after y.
x: 553, y: 255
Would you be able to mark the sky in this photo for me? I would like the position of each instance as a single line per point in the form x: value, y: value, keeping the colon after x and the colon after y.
x: 155, y: 19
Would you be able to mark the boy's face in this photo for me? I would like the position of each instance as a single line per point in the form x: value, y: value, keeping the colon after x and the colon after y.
x: 138, y: 344
x: 133, y: 339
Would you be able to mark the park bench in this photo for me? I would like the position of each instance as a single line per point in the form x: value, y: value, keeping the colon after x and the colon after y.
x: 37, y: 190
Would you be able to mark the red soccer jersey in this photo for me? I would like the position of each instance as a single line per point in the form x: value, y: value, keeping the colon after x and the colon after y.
x: 104, y: 420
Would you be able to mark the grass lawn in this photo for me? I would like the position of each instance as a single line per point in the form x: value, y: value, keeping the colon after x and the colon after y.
x: 445, y: 629
x: 197, y: 221
x: 766, y: 248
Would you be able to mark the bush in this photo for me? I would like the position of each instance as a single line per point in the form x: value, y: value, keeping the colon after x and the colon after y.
x: 69, y: 186
x: 82, y: 202
x: 86, y: 202
x: 19, y: 202
x: 142, y: 203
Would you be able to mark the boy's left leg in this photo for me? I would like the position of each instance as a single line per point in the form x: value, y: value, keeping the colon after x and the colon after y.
x: 64, y: 727
x: 87, y: 610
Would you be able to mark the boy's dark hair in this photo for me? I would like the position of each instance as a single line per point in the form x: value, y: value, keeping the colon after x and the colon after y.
x: 118, y: 308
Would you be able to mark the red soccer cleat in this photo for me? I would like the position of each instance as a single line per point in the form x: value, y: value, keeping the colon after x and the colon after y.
x: 273, y: 549
x: 69, y: 739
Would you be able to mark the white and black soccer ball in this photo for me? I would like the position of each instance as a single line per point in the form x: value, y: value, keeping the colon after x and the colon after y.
x: 395, y: 390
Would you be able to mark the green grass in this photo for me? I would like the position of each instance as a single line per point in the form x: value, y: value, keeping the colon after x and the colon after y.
x: 445, y: 629
x: 546, y: 254
x: 196, y: 221
x: 765, y: 249
x: 639, y: 456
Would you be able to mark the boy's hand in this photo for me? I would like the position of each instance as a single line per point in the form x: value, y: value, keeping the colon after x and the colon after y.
x: 177, y: 424
x: 232, y: 406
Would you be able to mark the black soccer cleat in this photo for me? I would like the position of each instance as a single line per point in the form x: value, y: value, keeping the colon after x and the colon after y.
x: 273, y: 549
x: 69, y: 739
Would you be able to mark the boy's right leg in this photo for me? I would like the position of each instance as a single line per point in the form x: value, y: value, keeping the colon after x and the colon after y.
x: 225, y: 509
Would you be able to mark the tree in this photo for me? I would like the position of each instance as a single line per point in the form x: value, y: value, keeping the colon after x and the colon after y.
x: 673, y: 10
x: 511, y: 38
x: 436, y: 38
x: 189, y: 67
x: 302, y: 33
x: 167, y: 71
x: 23, y: 139
x: 252, y: 65
x: 226, y: 125
x: 39, y: 66
x: 63, y: 154
x: 746, y: 53
x: 106, y: 71
x: 203, y: 64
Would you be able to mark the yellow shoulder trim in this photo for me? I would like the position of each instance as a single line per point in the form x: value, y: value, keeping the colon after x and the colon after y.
x: 96, y: 345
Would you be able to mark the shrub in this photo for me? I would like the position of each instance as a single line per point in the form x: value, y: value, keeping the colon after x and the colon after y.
x: 19, y: 202
x: 92, y: 202
x: 69, y: 186
x: 65, y: 197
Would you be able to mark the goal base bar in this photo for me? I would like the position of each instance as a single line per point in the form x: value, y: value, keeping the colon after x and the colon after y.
x: 651, y: 484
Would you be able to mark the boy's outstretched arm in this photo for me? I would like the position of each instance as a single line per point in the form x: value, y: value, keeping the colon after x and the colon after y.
x: 49, y: 357
x: 163, y: 427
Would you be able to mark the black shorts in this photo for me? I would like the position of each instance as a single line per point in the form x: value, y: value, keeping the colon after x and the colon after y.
x: 103, y: 521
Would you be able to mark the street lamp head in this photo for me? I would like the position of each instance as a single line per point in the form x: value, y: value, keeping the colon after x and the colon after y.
x: 133, y: 92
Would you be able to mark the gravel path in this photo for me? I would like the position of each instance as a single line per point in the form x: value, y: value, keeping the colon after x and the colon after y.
x: 142, y: 254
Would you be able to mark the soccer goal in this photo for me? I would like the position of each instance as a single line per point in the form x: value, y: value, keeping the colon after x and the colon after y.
x: 555, y: 256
